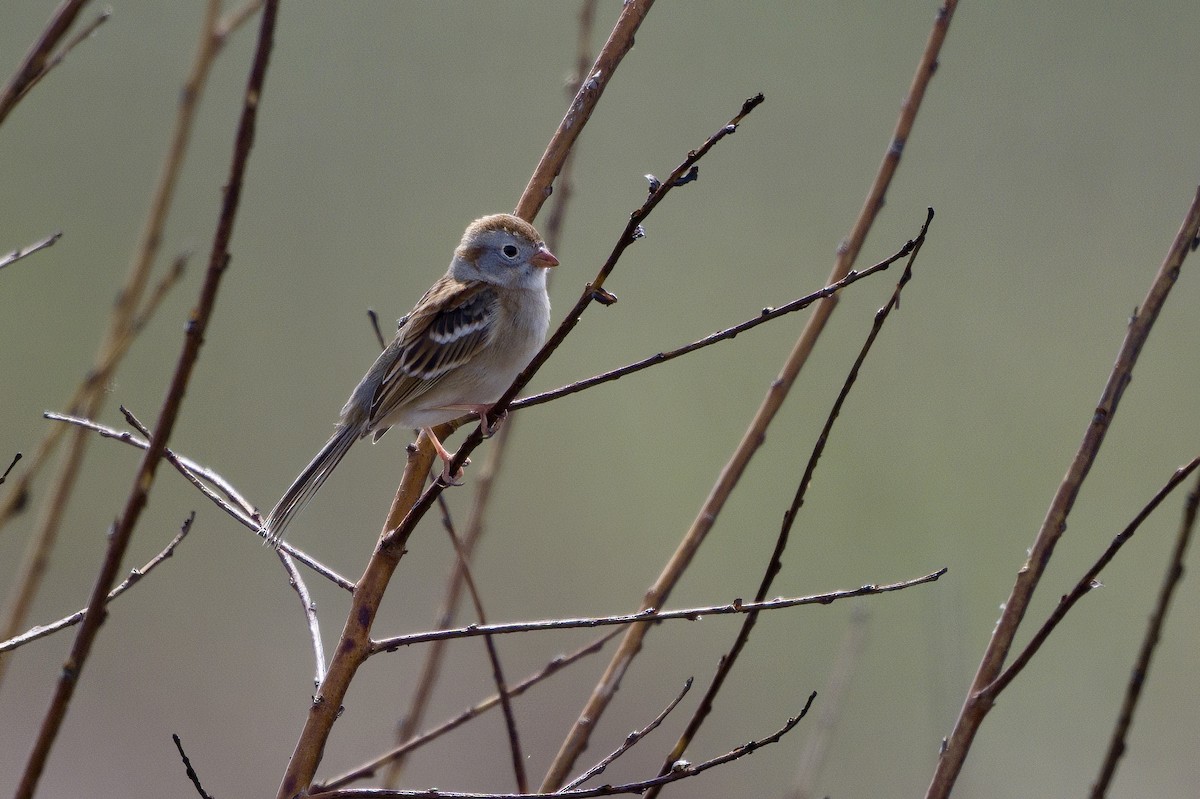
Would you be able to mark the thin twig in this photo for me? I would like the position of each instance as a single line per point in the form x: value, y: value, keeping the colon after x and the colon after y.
x: 23, y: 252
x: 1085, y: 584
x: 416, y: 741
x: 187, y: 765
x: 43, y: 630
x: 33, y: 67
x: 128, y: 316
x: 683, y: 771
x: 630, y: 741
x: 978, y: 700
x: 310, y: 613
x: 118, y: 542
x: 488, y: 472
x: 775, y: 564
x: 1141, y: 668
x: 232, y: 502
x: 642, y: 617
x: 731, y: 473
x: 729, y: 333
x: 410, y: 503
x: 510, y: 718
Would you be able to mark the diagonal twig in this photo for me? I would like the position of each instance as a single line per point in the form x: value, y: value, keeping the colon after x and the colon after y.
x: 1141, y: 668
x: 576, y: 740
x: 43, y: 630
x: 979, y: 701
x: 408, y: 745
x: 139, y: 492
x: 643, y: 617
x: 775, y: 564
x: 22, y: 252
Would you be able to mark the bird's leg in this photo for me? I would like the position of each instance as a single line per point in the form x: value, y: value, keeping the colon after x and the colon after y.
x: 482, y: 412
x: 447, y: 458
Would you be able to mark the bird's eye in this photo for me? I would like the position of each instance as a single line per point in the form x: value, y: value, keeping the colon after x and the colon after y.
x: 509, y: 251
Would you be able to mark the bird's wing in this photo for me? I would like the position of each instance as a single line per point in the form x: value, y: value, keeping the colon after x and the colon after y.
x: 449, y: 325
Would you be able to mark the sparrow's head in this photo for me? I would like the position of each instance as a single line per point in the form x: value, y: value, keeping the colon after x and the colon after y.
x: 504, y: 250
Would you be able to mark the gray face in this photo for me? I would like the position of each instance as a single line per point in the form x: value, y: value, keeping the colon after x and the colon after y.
x: 504, y: 260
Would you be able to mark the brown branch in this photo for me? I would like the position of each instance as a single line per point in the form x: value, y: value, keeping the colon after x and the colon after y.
x: 775, y: 564
x: 553, y: 667
x: 1084, y: 586
x: 510, y: 718
x: 681, y: 772
x: 728, y: 334
x: 576, y: 740
x: 22, y: 252
x: 630, y: 741
x: 409, y: 504
x: 643, y: 617
x: 139, y: 492
x: 539, y: 188
x: 978, y: 702
x: 489, y: 471
x: 125, y: 320
x: 135, y: 576
x: 1141, y: 668
x: 34, y: 66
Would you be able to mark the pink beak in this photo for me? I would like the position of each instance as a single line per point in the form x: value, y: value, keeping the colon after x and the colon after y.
x: 543, y: 258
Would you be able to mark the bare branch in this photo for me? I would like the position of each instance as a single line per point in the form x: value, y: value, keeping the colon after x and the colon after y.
x: 36, y: 60
x: 310, y: 613
x: 1085, y: 584
x: 680, y: 772
x: 139, y: 491
x: 630, y: 741
x: 1154, y: 626
x: 22, y: 252
x: 979, y: 701
x: 43, y: 630
x: 650, y: 615
x: 416, y: 741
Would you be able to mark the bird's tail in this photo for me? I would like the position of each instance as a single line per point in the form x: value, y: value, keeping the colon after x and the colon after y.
x: 306, y: 484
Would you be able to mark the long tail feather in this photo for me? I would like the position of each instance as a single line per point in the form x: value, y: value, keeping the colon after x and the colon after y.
x: 306, y: 484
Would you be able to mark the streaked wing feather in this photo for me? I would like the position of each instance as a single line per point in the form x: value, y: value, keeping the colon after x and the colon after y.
x: 447, y: 328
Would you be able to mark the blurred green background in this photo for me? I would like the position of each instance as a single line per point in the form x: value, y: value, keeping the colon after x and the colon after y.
x: 1058, y: 144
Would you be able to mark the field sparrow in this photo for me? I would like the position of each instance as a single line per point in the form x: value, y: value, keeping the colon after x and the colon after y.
x: 458, y: 349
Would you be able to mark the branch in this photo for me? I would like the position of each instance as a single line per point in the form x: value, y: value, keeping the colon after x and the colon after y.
x: 1141, y: 668
x: 139, y: 492
x: 630, y: 741
x: 731, y: 473
x: 553, y: 667
x: 643, y: 617
x: 729, y: 333
x: 775, y: 564
x: 22, y: 252
x: 135, y: 576
x: 681, y: 772
x: 229, y: 499
x: 978, y: 701
x: 1086, y: 583
x: 35, y: 66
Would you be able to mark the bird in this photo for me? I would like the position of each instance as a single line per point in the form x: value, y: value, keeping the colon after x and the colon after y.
x: 456, y: 351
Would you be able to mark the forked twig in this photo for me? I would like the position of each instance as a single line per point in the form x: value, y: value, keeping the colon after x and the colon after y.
x: 775, y: 564
x: 731, y: 473
x: 416, y: 741
x: 630, y: 741
x: 1141, y: 668
x: 144, y: 479
x: 43, y: 630
x: 681, y: 772
x: 979, y: 700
